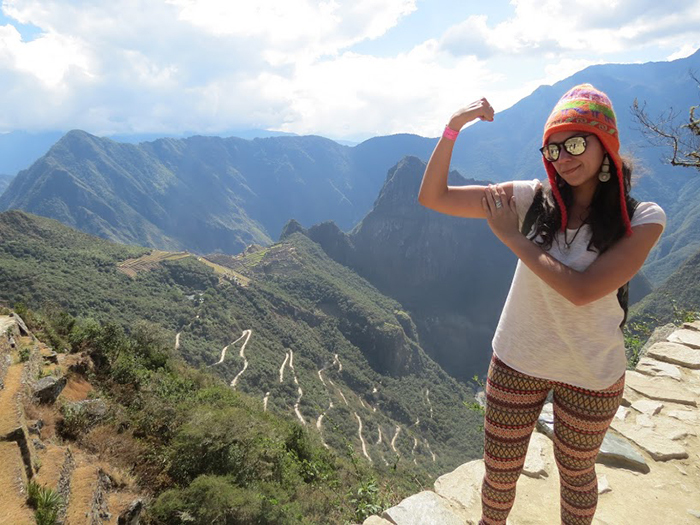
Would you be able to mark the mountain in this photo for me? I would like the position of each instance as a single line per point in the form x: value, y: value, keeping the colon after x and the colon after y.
x: 302, y: 334
x: 208, y: 194
x: 451, y: 274
x: 678, y: 295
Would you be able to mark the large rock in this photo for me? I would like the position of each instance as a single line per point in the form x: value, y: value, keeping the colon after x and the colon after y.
x: 686, y: 337
x: 695, y: 325
x: 651, y: 367
x: 427, y: 508
x: 618, y: 452
x: 659, y: 388
x: 462, y: 484
x: 676, y: 354
x: 49, y: 388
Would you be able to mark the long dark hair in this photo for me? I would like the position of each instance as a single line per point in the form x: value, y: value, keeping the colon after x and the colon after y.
x: 604, y: 217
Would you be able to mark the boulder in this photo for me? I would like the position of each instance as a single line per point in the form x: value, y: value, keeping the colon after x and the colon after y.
x: 462, y: 484
x: 49, y: 388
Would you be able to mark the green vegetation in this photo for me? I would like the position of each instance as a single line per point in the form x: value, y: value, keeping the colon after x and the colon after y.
x: 196, y: 438
x: 46, y: 503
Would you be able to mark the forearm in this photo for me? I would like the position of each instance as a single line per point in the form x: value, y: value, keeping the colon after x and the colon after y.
x: 566, y: 281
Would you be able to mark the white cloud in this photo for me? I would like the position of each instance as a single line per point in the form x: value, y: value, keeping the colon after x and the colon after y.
x: 563, y: 26
x: 209, y: 66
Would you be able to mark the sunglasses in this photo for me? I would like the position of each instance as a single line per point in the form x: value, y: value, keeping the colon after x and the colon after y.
x: 574, y: 146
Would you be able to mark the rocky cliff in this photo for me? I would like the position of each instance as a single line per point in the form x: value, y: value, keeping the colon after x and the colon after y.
x: 648, y: 467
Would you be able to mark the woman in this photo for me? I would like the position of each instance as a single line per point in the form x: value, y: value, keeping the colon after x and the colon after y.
x: 560, y: 326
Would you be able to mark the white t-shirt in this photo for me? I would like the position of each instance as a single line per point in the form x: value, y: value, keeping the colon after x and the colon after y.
x: 542, y: 334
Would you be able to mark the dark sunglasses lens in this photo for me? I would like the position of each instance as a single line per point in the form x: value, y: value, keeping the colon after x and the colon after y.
x: 575, y: 145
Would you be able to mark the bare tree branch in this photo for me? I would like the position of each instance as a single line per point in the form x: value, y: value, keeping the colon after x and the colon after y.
x: 683, y: 140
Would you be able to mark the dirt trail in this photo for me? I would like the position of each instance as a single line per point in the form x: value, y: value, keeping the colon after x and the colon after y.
x: 393, y: 440
x: 362, y: 439
x: 12, y: 472
x: 267, y: 396
x: 177, y: 341
x: 284, y: 363
x: 246, y: 334
x: 379, y: 439
x: 427, y: 398
x: 299, y: 390
x: 413, y: 450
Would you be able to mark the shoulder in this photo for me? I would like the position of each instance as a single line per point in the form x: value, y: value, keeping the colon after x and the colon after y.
x: 648, y: 212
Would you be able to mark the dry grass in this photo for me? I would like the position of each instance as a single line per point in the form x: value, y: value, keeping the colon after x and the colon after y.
x: 47, y: 414
x: 119, y: 449
x: 52, y: 460
x: 82, y: 487
x: 9, y: 417
x: 76, y: 389
x: 13, y: 506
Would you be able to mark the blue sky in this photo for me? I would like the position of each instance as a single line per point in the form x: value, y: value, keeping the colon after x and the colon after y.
x: 345, y: 69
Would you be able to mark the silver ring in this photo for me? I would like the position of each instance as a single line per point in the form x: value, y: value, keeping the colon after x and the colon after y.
x: 499, y: 204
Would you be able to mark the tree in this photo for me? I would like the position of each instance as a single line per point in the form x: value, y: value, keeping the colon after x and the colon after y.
x: 683, y: 139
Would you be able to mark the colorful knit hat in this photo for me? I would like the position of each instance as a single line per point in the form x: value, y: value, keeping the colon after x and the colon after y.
x: 584, y: 108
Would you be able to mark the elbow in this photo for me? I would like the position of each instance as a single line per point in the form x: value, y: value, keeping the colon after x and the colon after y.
x: 579, y: 296
x: 423, y: 201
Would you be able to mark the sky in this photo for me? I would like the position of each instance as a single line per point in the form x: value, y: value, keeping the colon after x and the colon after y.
x: 343, y: 69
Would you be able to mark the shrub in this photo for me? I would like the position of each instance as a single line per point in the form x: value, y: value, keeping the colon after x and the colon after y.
x: 46, y: 503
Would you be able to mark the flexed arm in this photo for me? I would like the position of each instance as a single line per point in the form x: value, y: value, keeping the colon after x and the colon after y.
x: 606, y: 274
x: 461, y: 201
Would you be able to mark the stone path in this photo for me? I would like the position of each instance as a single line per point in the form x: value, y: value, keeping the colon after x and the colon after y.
x: 648, y: 468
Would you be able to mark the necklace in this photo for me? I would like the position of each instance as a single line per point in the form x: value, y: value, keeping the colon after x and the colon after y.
x: 568, y: 243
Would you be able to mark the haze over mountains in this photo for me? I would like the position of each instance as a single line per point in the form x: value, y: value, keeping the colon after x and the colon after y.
x: 209, y: 194
x: 218, y: 195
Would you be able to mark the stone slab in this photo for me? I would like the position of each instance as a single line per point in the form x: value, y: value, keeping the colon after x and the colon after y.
x: 618, y: 452
x: 686, y: 337
x: 463, y: 484
x: 648, y: 407
x: 659, y: 388
x: 675, y: 353
x: 652, y: 367
x: 657, y: 446
x: 427, y: 508
x: 695, y: 325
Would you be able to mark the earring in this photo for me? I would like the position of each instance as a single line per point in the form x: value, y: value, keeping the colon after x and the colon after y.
x: 604, y: 175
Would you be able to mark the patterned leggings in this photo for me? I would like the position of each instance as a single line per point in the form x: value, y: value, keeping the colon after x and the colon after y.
x: 581, y: 418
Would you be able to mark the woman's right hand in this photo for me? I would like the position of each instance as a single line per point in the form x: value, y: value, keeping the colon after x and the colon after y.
x: 479, y: 109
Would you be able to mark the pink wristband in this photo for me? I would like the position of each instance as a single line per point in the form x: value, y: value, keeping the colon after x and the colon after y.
x: 450, y: 134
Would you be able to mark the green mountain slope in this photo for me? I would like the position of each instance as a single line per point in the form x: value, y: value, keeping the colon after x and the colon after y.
x: 319, y: 335
x: 680, y: 292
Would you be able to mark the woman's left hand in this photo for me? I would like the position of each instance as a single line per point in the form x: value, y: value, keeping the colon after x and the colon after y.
x: 500, y: 214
